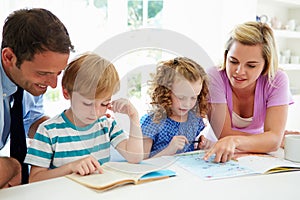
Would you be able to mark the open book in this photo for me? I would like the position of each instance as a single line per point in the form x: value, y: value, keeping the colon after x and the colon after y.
x: 245, y: 165
x: 120, y: 173
x: 267, y: 164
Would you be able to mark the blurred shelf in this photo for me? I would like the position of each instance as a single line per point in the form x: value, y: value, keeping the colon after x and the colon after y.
x: 287, y: 34
x: 290, y: 66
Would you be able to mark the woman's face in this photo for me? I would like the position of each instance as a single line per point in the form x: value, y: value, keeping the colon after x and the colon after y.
x: 244, y: 64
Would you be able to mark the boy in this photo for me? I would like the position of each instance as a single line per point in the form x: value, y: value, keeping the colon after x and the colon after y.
x: 78, y: 140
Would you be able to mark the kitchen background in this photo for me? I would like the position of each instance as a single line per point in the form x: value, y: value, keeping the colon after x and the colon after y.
x: 92, y: 22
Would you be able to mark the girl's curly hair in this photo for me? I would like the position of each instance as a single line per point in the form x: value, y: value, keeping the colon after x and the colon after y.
x: 163, y: 79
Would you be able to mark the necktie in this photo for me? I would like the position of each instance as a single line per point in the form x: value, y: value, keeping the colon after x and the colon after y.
x: 18, y: 147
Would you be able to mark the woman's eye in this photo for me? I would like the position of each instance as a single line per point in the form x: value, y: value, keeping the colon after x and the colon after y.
x: 87, y: 104
x: 233, y: 61
x: 251, y: 66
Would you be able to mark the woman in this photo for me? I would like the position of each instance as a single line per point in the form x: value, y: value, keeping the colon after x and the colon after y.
x: 249, y: 95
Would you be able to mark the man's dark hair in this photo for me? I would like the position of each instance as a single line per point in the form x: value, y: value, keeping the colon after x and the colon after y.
x: 31, y: 31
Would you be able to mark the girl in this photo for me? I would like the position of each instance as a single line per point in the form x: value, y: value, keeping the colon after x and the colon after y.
x: 179, y: 98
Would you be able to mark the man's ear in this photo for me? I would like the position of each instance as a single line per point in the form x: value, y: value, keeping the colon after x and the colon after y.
x: 66, y: 93
x: 9, y: 58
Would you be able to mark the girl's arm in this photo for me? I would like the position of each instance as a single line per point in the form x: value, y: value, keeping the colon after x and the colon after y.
x: 232, y: 140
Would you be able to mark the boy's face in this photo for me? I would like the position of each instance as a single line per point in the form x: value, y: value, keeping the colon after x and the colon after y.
x: 86, y: 111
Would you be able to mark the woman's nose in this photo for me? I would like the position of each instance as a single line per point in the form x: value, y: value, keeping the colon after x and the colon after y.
x: 239, y: 69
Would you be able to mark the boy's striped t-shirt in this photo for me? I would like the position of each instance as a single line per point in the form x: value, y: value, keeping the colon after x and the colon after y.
x: 58, y: 141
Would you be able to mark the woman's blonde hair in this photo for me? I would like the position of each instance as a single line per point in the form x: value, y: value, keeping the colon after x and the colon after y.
x: 161, y: 85
x: 91, y: 76
x: 256, y: 33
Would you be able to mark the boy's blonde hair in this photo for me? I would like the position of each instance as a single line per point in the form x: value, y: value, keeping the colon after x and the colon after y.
x: 167, y: 73
x: 91, y: 76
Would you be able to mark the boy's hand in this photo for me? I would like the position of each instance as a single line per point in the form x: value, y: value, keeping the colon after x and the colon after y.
x: 123, y: 106
x: 87, y: 165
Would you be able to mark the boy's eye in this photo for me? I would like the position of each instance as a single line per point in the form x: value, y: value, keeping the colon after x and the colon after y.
x: 105, y: 104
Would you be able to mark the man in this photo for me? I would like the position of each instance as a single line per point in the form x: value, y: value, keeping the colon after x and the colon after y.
x: 35, y: 49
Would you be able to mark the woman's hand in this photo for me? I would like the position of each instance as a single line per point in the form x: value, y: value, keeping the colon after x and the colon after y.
x: 223, y: 149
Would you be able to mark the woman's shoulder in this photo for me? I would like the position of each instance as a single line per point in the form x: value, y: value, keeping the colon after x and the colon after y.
x: 215, y: 73
x: 280, y: 78
x: 281, y: 74
x: 213, y: 70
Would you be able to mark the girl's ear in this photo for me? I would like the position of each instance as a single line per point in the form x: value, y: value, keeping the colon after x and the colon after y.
x: 66, y: 93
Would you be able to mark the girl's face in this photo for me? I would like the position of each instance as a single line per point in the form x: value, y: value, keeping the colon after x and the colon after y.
x: 184, y: 97
x: 244, y: 65
x: 86, y: 111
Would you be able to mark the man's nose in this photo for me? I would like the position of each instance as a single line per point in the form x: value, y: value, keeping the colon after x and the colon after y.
x: 51, y: 80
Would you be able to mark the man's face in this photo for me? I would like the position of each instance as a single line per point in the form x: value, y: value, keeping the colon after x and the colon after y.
x: 36, y: 75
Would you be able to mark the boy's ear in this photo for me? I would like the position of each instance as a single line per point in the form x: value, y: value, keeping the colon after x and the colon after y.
x: 65, y: 93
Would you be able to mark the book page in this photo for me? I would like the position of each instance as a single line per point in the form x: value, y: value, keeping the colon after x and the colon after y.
x: 261, y: 163
x: 130, y: 168
x: 119, y: 173
x: 107, y: 179
x: 209, y: 170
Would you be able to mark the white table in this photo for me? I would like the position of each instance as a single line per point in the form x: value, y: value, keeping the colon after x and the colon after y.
x: 283, y: 186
